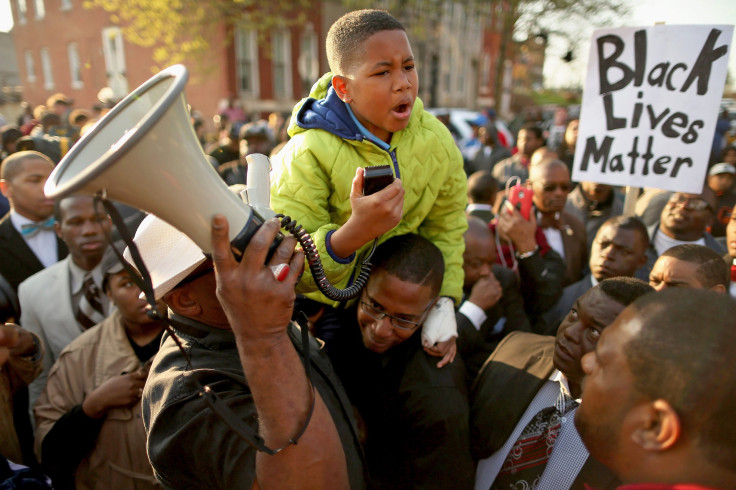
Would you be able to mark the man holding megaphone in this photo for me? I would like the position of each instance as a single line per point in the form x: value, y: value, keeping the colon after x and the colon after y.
x: 231, y: 321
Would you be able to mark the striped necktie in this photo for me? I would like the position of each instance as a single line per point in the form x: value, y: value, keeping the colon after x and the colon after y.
x: 528, y: 457
x: 90, y: 311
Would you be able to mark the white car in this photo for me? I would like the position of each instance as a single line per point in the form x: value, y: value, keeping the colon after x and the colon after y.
x: 460, y: 124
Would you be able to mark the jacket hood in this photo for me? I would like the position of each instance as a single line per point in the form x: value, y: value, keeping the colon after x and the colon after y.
x: 323, y: 109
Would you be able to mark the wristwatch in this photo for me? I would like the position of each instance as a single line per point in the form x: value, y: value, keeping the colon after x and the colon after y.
x: 528, y: 254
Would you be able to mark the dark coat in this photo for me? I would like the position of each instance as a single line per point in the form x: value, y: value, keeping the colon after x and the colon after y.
x: 17, y: 260
x: 505, y: 387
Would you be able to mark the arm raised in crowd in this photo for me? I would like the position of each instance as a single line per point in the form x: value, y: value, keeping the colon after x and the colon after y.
x: 259, y: 309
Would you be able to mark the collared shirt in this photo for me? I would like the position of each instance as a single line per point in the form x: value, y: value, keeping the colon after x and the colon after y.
x: 477, y: 316
x: 662, y: 242
x: 568, y: 454
x: 478, y: 207
x: 554, y: 238
x: 76, y: 276
x: 42, y: 244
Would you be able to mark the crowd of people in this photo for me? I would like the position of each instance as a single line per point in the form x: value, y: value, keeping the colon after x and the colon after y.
x: 564, y: 345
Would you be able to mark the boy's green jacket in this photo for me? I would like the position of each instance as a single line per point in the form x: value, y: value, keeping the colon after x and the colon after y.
x: 313, y: 174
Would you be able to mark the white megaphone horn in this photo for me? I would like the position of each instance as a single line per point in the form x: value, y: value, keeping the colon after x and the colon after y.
x: 144, y: 153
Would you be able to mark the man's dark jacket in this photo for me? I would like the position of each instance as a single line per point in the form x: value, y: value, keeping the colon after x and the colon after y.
x: 17, y: 260
x: 505, y: 387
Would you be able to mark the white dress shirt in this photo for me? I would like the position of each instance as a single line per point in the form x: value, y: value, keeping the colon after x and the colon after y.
x: 568, y: 454
x: 42, y: 244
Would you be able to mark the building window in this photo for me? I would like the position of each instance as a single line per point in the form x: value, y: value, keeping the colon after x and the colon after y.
x: 30, y: 67
x: 308, y: 59
x: 40, y: 9
x: 246, y: 56
x: 75, y: 66
x: 22, y: 11
x: 281, y: 63
x: 48, y: 78
x: 66, y: 4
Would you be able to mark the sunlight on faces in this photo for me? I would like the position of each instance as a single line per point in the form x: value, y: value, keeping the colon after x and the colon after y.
x: 608, y: 392
x: 478, y: 258
x: 125, y: 294
x: 83, y: 230
x: 581, y: 329
x: 401, y: 299
x: 616, y: 252
x: 669, y: 272
x: 25, y: 189
x: 551, y: 185
x: 383, y: 85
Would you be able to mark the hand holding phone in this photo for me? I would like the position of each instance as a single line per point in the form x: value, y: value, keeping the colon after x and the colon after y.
x: 376, y: 178
x: 521, y: 198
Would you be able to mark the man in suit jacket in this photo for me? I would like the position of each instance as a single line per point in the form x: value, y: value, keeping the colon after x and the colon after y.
x: 27, y: 239
x: 527, y: 372
x: 482, y: 189
x: 619, y: 249
x: 49, y: 300
x: 550, y: 181
x: 684, y: 219
x: 492, y: 305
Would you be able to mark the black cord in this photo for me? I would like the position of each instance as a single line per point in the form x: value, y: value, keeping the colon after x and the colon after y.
x: 318, y: 270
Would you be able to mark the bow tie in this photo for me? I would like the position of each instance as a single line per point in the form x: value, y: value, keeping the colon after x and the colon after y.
x: 30, y: 229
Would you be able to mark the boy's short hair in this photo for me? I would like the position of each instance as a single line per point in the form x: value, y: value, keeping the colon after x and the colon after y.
x: 346, y: 36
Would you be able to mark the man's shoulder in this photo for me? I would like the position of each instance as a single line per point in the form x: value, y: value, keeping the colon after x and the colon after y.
x: 41, y: 278
x: 517, y: 347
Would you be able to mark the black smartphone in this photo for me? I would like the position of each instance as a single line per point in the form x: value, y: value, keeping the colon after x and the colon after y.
x: 376, y: 178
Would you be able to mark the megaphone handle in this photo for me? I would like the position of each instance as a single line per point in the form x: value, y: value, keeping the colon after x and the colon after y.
x: 238, y: 244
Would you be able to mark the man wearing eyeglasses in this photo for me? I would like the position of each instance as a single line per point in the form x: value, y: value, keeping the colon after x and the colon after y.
x: 684, y: 219
x: 414, y: 415
x: 550, y: 181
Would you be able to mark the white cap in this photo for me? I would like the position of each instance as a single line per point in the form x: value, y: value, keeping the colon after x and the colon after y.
x: 169, y: 254
x: 722, y: 168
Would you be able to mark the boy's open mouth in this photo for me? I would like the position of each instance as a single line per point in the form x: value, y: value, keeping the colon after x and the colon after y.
x: 403, y: 109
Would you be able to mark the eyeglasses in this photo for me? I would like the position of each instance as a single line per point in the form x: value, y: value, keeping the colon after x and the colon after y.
x: 564, y: 187
x: 689, y: 203
x: 400, y: 323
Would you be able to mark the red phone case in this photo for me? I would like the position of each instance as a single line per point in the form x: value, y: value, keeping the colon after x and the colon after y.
x: 521, y: 198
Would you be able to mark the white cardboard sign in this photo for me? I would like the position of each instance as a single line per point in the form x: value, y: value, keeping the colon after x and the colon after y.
x: 650, y: 105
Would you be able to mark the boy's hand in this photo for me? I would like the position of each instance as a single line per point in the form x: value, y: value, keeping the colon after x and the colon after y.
x: 446, y: 350
x: 371, y: 216
x: 380, y: 212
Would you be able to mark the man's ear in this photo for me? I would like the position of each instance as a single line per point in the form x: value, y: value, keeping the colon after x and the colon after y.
x: 658, y: 427
x: 340, y: 84
x: 719, y: 288
x: 182, y: 302
x: 4, y: 187
x: 57, y: 229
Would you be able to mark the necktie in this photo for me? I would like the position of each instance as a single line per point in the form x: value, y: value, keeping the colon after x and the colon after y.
x: 90, y: 311
x: 30, y: 229
x: 528, y: 457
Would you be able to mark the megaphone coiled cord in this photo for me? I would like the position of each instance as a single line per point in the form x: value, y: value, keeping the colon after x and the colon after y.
x: 318, y: 270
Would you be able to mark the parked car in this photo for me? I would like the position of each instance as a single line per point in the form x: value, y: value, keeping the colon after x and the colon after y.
x: 461, y: 120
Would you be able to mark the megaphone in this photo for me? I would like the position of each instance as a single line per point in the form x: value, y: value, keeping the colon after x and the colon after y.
x: 145, y: 153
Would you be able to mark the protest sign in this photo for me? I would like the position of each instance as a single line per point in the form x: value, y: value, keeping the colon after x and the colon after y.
x: 650, y: 105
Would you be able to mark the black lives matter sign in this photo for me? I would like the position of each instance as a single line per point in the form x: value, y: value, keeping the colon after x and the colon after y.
x: 650, y: 105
